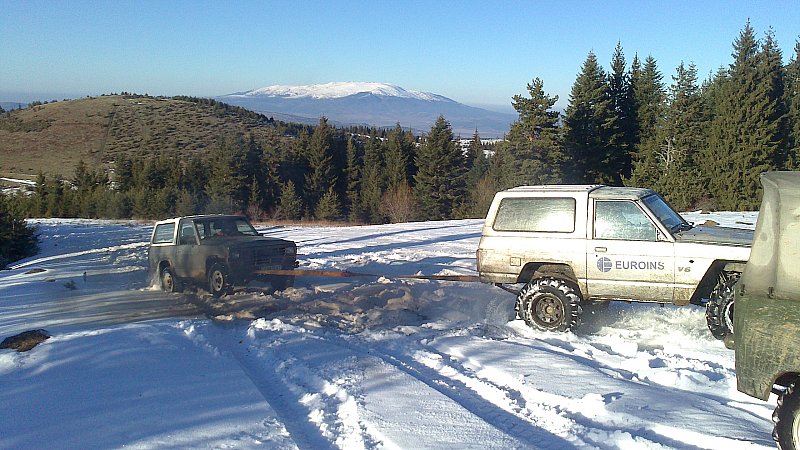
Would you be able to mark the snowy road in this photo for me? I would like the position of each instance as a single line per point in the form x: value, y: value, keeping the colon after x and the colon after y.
x: 361, y: 363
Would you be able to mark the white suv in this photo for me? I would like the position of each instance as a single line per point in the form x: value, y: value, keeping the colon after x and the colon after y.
x: 571, y: 245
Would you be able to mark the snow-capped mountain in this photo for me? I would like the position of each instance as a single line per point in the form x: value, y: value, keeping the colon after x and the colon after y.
x: 341, y: 89
x: 373, y: 104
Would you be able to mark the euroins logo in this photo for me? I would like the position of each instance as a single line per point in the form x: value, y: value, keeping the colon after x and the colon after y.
x: 605, y: 265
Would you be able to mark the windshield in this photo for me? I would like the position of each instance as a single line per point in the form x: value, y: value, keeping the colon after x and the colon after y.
x: 224, y: 226
x: 665, y: 214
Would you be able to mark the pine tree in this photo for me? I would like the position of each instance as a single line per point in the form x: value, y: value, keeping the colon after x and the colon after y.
x: 500, y: 174
x: 39, y: 207
x: 291, y: 206
x: 771, y: 74
x: 228, y: 185
x: 534, y: 141
x: 476, y: 161
x: 399, y: 151
x: 123, y: 173
x: 372, y: 181
x: 681, y: 139
x: 745, y: 132
x: 320, y: 175
x: 329, y: 207
x: 792, y: 102
x: 440, y: 180
x: 196, y: 174
x: 588, y: 123
x: 254, y: 202
x: 17, y: 239
x: 353, y: 176
x: 623, y: 130
x: 269, y: 181
x: 656, y: 153
x: 186, y: 204
x: 649, y: 98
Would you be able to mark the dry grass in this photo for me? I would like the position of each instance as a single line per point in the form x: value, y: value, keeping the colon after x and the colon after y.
x: 52, y: 138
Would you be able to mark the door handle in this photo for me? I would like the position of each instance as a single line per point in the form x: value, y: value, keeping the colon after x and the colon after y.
x: 600, y: 249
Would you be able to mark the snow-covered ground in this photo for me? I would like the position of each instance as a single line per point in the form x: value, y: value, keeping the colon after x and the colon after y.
x: 348, y: 363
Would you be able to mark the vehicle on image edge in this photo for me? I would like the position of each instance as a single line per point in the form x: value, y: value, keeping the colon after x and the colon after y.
x: 767, y: 321
x: 579, y: 245
x: 218, y: 252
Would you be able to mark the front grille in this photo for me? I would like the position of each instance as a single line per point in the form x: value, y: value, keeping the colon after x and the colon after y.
x: 267, y: 256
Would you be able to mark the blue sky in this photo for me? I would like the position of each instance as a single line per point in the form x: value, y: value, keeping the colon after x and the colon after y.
x: 475, y: 52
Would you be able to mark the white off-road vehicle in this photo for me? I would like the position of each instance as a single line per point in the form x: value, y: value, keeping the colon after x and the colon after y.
x: 589, y: 244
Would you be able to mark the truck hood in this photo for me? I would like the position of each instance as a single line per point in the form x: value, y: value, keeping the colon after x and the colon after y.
x: 706, y: 234
x: 258, y: 241
x: 247, y: 241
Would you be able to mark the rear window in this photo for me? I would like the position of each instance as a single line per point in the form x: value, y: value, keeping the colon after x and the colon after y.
x: 540, y: 214
x: 164, y: 233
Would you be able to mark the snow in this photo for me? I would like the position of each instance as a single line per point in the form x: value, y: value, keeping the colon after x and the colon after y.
x: 339, y: 90
x: 19, y: 181
x: 348, y: 363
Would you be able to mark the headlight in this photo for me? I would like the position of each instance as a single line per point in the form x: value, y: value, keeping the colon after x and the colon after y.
x: 291, y: 250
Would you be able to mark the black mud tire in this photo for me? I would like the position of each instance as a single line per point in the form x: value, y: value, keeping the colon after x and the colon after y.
x: 550, y: 304
x: 282, y: 282
x: 787, y: 419
x: 218, y: 284
x: 169, y: 283
x: 719, y: 309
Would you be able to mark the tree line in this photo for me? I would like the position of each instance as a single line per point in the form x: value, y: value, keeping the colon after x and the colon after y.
x: 323, y: 173
x: 701, y: 145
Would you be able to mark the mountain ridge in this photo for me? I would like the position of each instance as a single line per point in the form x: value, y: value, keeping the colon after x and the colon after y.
x: 371, y: 103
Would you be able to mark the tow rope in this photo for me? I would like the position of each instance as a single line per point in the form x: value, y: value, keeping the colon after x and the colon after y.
x: 348, y: 274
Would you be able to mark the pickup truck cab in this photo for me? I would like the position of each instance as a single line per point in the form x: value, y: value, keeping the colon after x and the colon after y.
x: 218, y: 251
x: 577, y: 244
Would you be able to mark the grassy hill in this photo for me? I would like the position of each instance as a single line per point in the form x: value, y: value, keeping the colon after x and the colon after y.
x: 53, y: 137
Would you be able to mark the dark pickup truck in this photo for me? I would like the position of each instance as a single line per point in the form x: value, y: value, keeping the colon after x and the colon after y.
x: 216, y: 251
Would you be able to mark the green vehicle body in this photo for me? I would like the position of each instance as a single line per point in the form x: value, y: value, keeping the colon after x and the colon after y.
x: 767, y: 297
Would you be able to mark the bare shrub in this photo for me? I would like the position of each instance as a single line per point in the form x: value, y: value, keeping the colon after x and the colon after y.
x: 398, y: 204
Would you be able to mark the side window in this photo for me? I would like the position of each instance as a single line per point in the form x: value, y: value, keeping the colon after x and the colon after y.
x: 187, y: 234
x: 622, y: 220
x: 539, y: 214
x: 164, y: 233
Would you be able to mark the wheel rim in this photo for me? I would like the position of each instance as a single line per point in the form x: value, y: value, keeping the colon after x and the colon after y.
x: 796, y: 429
x: 547, y: 311
x: 727, y: 313
x: 217, y: 280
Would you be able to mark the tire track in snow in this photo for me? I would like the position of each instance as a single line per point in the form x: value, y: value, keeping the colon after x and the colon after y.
x: 592, y: 423
x: 503, y: 408
x: 73, y: 255
x: 501, y: 411
x: 262, y: 369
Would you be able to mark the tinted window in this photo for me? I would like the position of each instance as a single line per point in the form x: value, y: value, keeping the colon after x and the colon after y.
x: 224, y: 226
x: 164, y: 233
x: 555, y: 215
